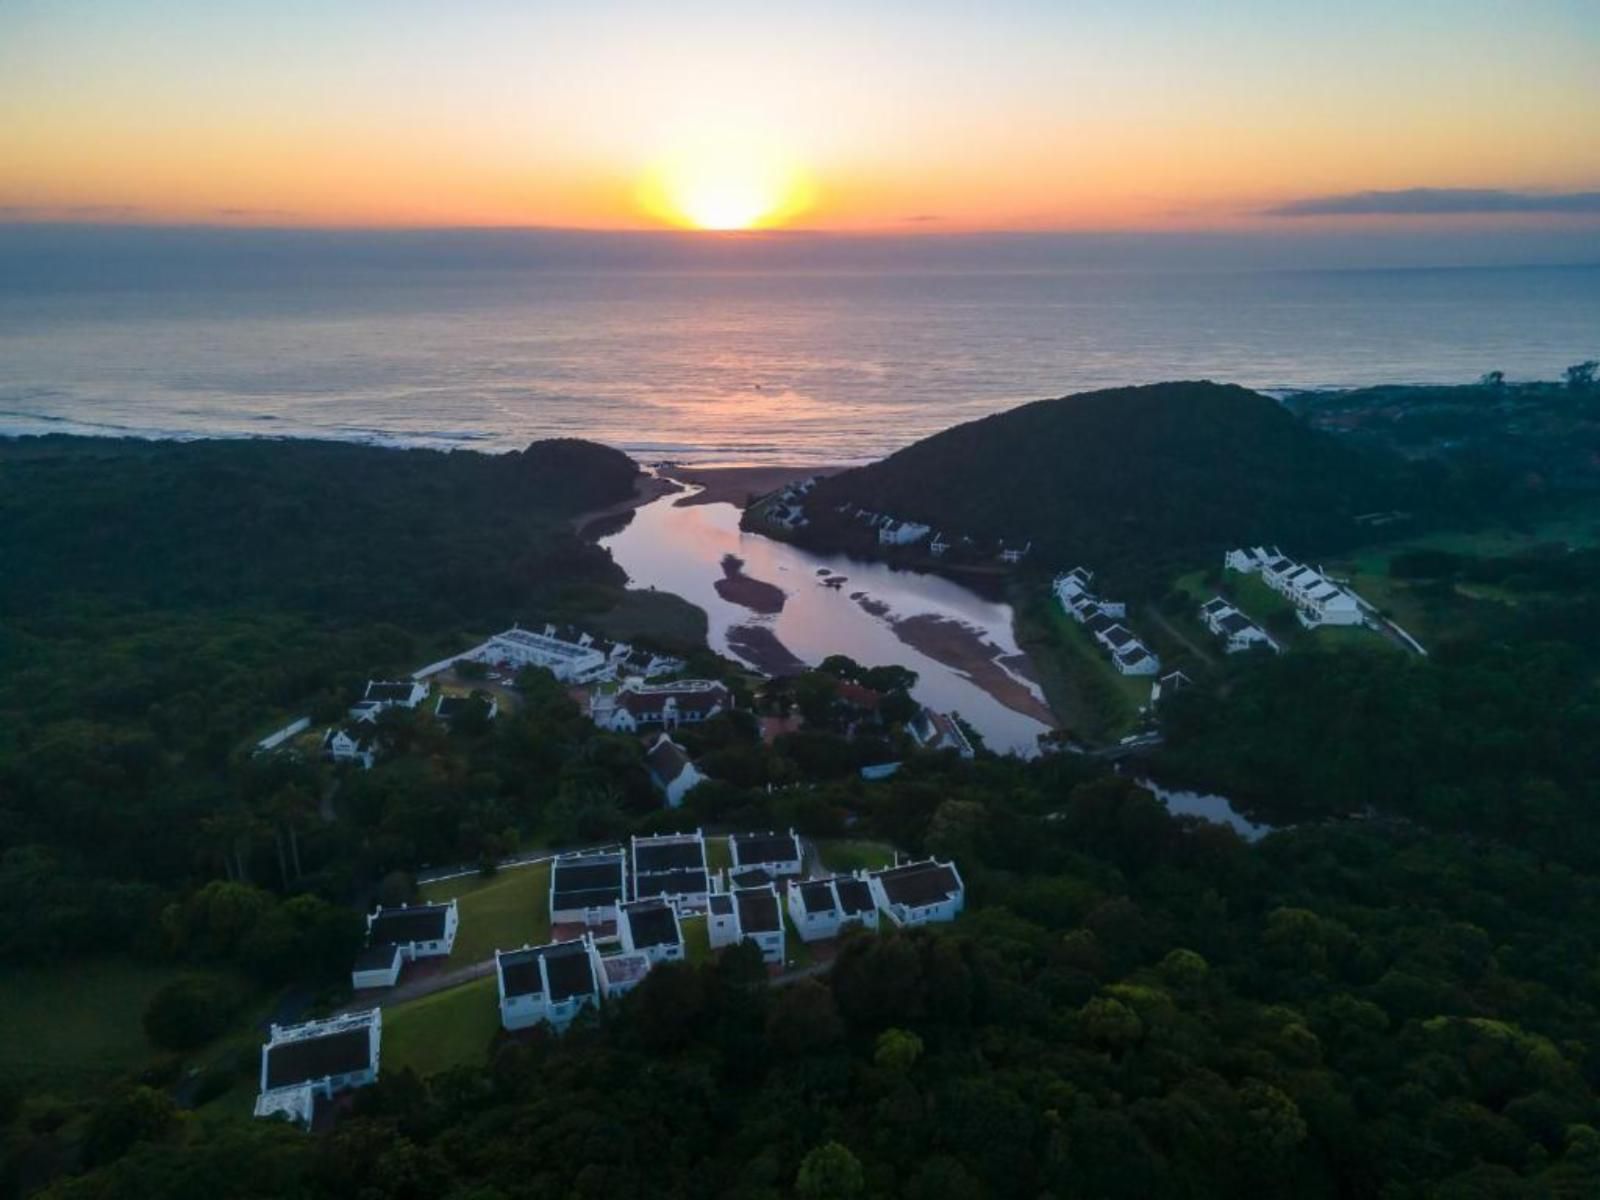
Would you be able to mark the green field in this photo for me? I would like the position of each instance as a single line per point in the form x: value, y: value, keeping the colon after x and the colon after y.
x: 696, y: 939
x: 73, y: 1025
x: 656, y: 616
x: 1089, y: 696
x: 844, y: 856
x: 447, y: 1029
x: 719, y: 854
x: 505, y: 912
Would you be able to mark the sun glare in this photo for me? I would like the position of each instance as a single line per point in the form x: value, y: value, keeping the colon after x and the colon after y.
x: 725, y: 188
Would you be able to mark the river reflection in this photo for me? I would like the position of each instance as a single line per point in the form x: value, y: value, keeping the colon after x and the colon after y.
x: 682, y: 550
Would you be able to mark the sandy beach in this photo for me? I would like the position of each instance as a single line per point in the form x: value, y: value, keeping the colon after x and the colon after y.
x: 738, y: 485
x: 759, y: 645
x: 597, y: 522
x: 755, y: 594
x: 963, y: 649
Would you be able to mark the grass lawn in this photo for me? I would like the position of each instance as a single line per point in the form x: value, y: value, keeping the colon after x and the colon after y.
x: 796, y: 953
x: 660, y: 616
x: 73, y: 1025
x: 447, y: 1029
x: 696, y: 939
x: 1090, y: 696
x: 844, y: 856
x: 502, y: 913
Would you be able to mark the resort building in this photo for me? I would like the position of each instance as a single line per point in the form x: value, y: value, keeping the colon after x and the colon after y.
x: 356, y: 744
x: 671, y: 770
x: 778, y: 854
x: 551, y: 983
x: 901, y: 533
x: 381, y: 695
x: 1169, y: 684
x: 940, y: 731
x: 575, y: 661
x: 918, y: 893
x: 449, y: 707
x: 671, y: 867
x: 621, y: 973
x: 587, y: 888
x: 825, y: 908
x: 1237, y: 631
x: 396, y: 936
x: 651, y: 928
x: 301, y: 1064
x: 1316, y: 598
x: 637, y: 704
x: 750, y: 914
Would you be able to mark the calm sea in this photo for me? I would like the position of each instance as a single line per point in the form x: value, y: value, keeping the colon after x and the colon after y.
x: 726, y: 365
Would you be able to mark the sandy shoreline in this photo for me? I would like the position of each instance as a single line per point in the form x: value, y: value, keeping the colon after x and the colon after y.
x: 759, y: 645
x: 736, y: 485
x: 755, y: 594
x: 645, y: 489
x: 962, y: 649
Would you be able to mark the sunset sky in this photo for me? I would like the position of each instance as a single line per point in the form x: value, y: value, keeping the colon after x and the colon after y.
x: 902, y: 117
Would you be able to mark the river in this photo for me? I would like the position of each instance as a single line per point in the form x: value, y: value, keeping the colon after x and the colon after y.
x: 683, y: 548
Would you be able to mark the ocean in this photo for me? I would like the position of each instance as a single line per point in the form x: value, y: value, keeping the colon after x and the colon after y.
x: 732, y: 364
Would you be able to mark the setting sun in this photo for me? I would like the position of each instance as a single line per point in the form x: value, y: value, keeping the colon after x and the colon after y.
x: 726, y: 188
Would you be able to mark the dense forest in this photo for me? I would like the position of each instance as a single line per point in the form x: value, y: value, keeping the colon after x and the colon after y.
x: 1136, y: 482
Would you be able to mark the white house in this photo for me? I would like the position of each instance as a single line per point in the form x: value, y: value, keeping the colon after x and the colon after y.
x: 1136, y: 658
x: 938, y: 546
x: 1317, y: 599
x: 671, y: 770
x: 301, y: 1063
x: 940, y: 731
x: 1169, y: 684
x: 382, y: 694
x: 587, y: 887
x: 449, y: 707
x: 651, y: 928
x: 357, y: 744
x: 1014, y: 554
x: 824, y: 908
x: 396, y: 936
x: 637, y: 704
x: 1237, y: 631
x: 750, y: 914
x: 672, y: 867
x: 918, y: 893
x: 569, y: 661
x: 778, y: 854
x: 901, y: 533
x: 621, y: 973
x: 551, y: 983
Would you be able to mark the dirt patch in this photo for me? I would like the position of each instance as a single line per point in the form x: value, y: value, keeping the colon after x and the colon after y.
x: 876, y: 607
x: 755, y: 594
x: 759, y: 645
x: 739, y: 485
x: 963, y: 649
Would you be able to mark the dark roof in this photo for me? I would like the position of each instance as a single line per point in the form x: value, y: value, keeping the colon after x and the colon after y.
x: 751, y: 848
x: 1234, y: 622
x: 666, y: 759
x: 652, y: 925
x: 817, y: 897
x: 722, y: 904
x: 520, y: 971
x: 305, y: 1060
x: 668, y: 856
x: 918, y: 884
x: 670, y: 883
x: 590, y: 882
x: 1099, y: 622
x: 1215, y: 604
x: 758, y: 911
x: 419, y: 923
x: 1120, y: 636
x: 450, y: 706
x: 569, y: 969
x: 388, y: 691
x: 374, y: 958
x: 855, y: 897
x: 751, y: 877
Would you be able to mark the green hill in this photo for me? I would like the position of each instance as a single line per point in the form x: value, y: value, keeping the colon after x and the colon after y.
x: 1129, y: 479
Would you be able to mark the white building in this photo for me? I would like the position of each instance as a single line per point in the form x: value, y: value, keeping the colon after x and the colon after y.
x: 1014, y: 554
x: 577, y: 661
x: 901, y: 533
x: 621, y: 973
x: 672, y: 867
x: 749, y: 914
x: 778, y: 854
x: 940, y: 731
x: 551, y: 983
x: 1169, y: 684
x: 1316, y: 598
x: 671, y: 770
x: 381, y: 694
x: 825, y: 908
x: 587, y: 887
x: 396, y: 936
x: 918, y: 893
x: 637, y: 704
x: 1237, y: 631
x: 302, y: 1063
x: 651, y: 928
x: 357, y: 744
x: 1136, y: 659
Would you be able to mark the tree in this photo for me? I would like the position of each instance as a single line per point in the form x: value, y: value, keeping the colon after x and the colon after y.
x: 830, y: 1172
x: 1580, y: 376
x: 802, y: 1019
x: 128, y: 1117
x: 897, y: 1050
x: 1493, y: 380
x: 188, y: 1012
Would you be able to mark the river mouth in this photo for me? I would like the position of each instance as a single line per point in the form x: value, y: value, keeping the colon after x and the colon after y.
x: 960, y: 644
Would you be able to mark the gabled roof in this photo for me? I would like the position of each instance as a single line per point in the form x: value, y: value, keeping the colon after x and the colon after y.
x: 570, y: 971
x: 587, y: 881
x: 378, y: 958
x: 304, y: 1060
x: 519, y: 970
x: 666, y: 760
x: 652, y: 923
x: 650, y: 855
x: 389, y: 692
x: 721, y: 904
x: 418, y: 923
x: 816, y: 896
x: 1120, y: 635
x: 855, y: 897
x: 760, y: 848
x: 758, y: 911
x: 917, y: 885
x: 1235, y: 622
x: 671, y: 883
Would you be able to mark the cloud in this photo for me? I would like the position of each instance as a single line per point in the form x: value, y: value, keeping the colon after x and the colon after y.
x: 1438, y: 202
x: 69, y: 212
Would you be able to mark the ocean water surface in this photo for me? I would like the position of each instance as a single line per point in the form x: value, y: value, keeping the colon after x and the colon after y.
x: 725, y: 365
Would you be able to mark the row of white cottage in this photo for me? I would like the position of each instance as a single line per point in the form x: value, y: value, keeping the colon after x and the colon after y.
x: 1317, y: 599
x: 1103, y: 619
x: 554, y: 983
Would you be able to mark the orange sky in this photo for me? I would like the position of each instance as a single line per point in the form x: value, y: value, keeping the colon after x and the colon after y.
x: 1147, y: 114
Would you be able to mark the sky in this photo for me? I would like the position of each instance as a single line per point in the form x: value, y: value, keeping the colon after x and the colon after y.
x: 883, y: 117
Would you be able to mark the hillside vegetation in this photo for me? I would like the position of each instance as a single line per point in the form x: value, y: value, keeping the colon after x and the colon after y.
x: 1136, y: 479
